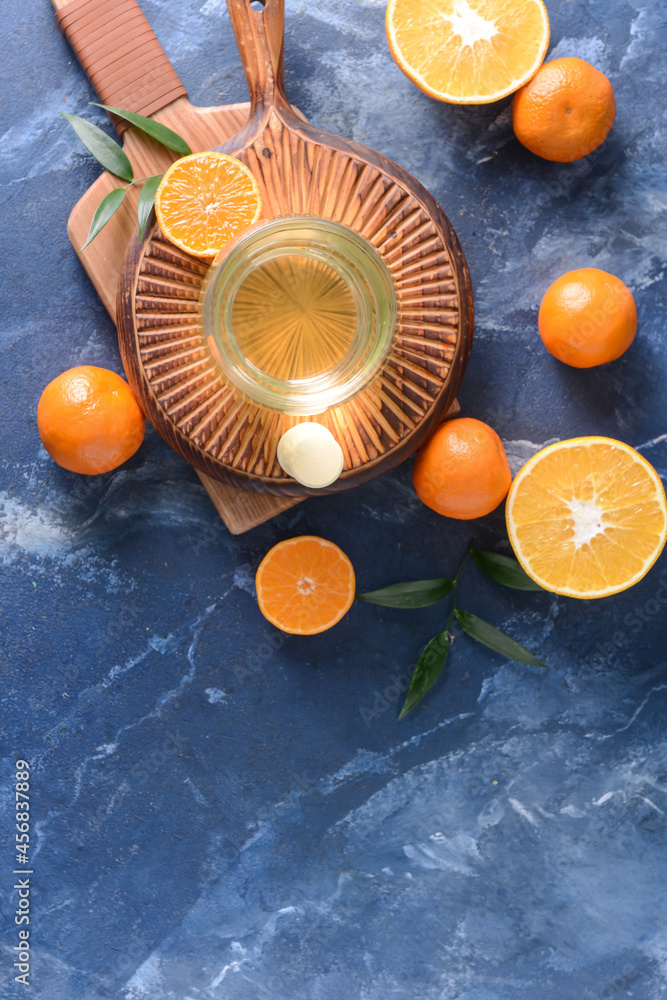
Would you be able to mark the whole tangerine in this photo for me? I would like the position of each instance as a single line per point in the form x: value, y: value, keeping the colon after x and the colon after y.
x: 89, y: 421
x: 462, y: 471
x: 587, y: 317
x: 565, y: 111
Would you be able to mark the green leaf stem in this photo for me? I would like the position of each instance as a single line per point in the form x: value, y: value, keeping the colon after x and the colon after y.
x: 504, y: 569
x: 146, y: 201
x: 430, y: 665
x: 164, y: 135
x: 102, y: 147
x: 106, y: 208
x: 414, y: 594
x: 496, y: 640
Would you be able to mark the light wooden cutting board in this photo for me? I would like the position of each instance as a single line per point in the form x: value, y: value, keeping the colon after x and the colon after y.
x: 129, y: 69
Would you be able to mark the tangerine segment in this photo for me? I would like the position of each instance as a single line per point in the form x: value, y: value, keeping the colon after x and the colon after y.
x: 587, y: 517
x: 205, y: 200
x: 468, y: 51
x: 305, y: 585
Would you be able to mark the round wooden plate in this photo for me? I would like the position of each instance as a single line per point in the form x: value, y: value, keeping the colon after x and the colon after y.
x: 301, y: 170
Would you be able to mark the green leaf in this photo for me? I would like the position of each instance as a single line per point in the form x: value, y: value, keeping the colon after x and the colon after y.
x: 505, y: 570
x: 172, y: 140
x: 106, y: 208
x: 146, y: 200
x: 430, y: 665
x: 104, y: 149
x: 414, y: 594
x: 496, y: 640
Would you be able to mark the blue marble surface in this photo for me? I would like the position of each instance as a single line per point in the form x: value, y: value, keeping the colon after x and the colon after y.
x: 223, y: 812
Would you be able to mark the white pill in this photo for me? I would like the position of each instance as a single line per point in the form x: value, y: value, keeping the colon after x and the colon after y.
x: 310, y: 454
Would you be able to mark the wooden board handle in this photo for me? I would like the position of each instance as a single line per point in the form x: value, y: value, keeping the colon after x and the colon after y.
x: 120, y: 54
x: 260, y: 36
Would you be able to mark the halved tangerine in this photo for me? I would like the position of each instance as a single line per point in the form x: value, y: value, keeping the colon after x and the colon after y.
x: 305, y: 585
x: 468, y: 51
x: 205, y: 200
x: 587, y: 517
